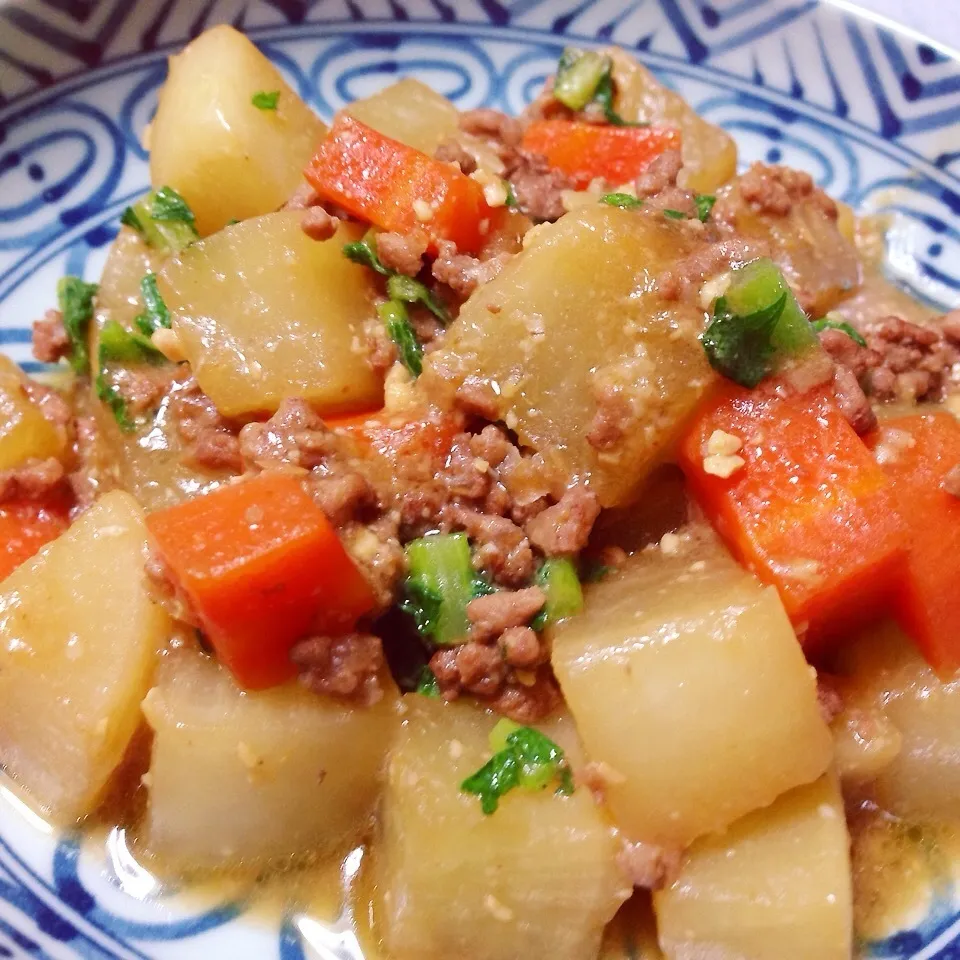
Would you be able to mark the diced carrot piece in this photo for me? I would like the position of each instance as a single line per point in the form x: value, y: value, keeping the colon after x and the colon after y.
x: 805, y: 507
x: 424, y: 438
x: 25, y: 526
x: 584, y: 151
x: 916, y: 453
x: 261, y: 566
x: 400, y: 189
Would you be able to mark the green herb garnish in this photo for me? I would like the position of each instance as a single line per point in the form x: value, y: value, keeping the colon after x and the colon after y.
x: 427, y: 685
x: 156, y: 314
x: 827, y: 324
x: 75, y: 299
x: 675, y: 214
x: 511, y: 200
x: 557, y: 577
x: 625, y: 201
x: 116, y: 404
x: 578, y: 77
x: 440, y: 583
x: 119, y: 345
x: 424, y: 603
x: 523, y: 757
x: 741, y: 347
x: 364, y: 252
x: 266, y: 100
x: 164, y: 220
x: 593, y: 571
x: 400, y: 331
x: 704, y: 203
x: 407, y: 290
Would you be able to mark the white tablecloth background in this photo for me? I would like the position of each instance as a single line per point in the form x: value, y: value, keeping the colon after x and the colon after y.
x: 939, y: 19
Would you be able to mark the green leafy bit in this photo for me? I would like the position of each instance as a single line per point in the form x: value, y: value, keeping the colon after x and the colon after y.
x: 827, y: 324
x: 266, y: 99
x: 164, y: 220
x: 156, y: 314
x: 604, y: 97
x: 364, y: 252
x: 511, y: 200
x: 427, y: 685
x: 110, y: 396
x: 741, y: 346
x: 522, y: 757
x: 440, y: 583
x: 593, y: 571
x: 625, y: 201
x: 557, y: 577
x: 675, y: 214
x: 578, y: 76
x: 75, y: 298
x: 119, y: 345
x: 400, y: 330
x: 704, y: 203
x: 407, y: 290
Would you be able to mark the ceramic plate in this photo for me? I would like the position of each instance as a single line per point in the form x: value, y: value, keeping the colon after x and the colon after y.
x: 872, y: 113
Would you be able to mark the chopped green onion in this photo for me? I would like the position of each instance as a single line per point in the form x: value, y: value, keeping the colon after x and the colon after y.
x: 578, y: 76
x: 407, y: 290
x: 625, y: 201
x: 75, y: 299
x: 827, y: 324
x: 364, y: 252
x: 163, y: 219
x: 704, y: 204
x: 511, y: 200
x: 439, y: 585
x: 604, y: 97
x: 675, y: 214
x: 740, y: 346
x: 110, y: 396
x: 266, y: 100
x: 558, y: 579
x: 427, y: 685
x: 400, y: 331
x: 523, y: 757
x: 119, y: 345
x: 156, y: 314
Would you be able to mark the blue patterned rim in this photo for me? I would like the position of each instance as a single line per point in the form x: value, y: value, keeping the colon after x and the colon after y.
x: 873, y: 114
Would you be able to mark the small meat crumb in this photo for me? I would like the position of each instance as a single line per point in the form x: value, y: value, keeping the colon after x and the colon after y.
x: 649, y: 866
x: 723, y: 444
x: 722, y: 465
x: 317, y: 224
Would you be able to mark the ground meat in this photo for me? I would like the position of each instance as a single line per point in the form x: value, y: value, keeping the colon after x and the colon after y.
x: 348, y: 667
x: 53, y: 406
x: 294, y: 435
x: 317, y: 224
x: 343, y: 495
x: 465, y: 475
x: 473, y: 667
x: 217, y: 450
x: 773, y: 190
x: 143, y: 387
x: 477, y: 397
x: 382, y: 351
x: 453, y: 151
x: 852, y: 401
x: 648, y: 866
x: 846, y: 352
x: 85, y: 478
x: 529, y: 703
x: 492, y: 125
x: 660, y: 174
x: 402, y: 252
x: 210, y: 439
x: 614, y: 416
x: 50, y: 340
x: 522, y: 648
x: 376, y: 550
x: 565, y: 527
x: 503, y: 550
x: 491, y: 444
x: 463, y: 273
x: 537, y: 186
x: 420, y: 507
x: 683, y: 280
x: 949, y: 324
x: 951, y: 482
x: 33, y: 480
x: 302, y: 198
x: 490, y: 616
x: 829, y: 698
x: 912, y: 362
x: 165, y: 591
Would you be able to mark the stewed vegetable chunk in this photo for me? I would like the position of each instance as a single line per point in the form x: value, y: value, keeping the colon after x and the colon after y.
x: 536, y: 878
x: 775, y: 886
x: 684, y: 676
x: 79, y: 637
x: 245, y: 778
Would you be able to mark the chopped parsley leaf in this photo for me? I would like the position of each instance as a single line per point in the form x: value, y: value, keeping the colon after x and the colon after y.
x: 266, y: 99
x: 407, y: 290
x: 75, y: 298
x: 704, y: 203
x: 675, y: 214
x: 156, y: 314
x: 400, y: 330
x: 741, y: 346
x: 625, y: 201
x: 427, y: 685
x: 827, y: 324
x: 525, y: 758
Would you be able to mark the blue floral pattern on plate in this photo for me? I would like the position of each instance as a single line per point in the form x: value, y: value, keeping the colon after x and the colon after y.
x: 873, y: 114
